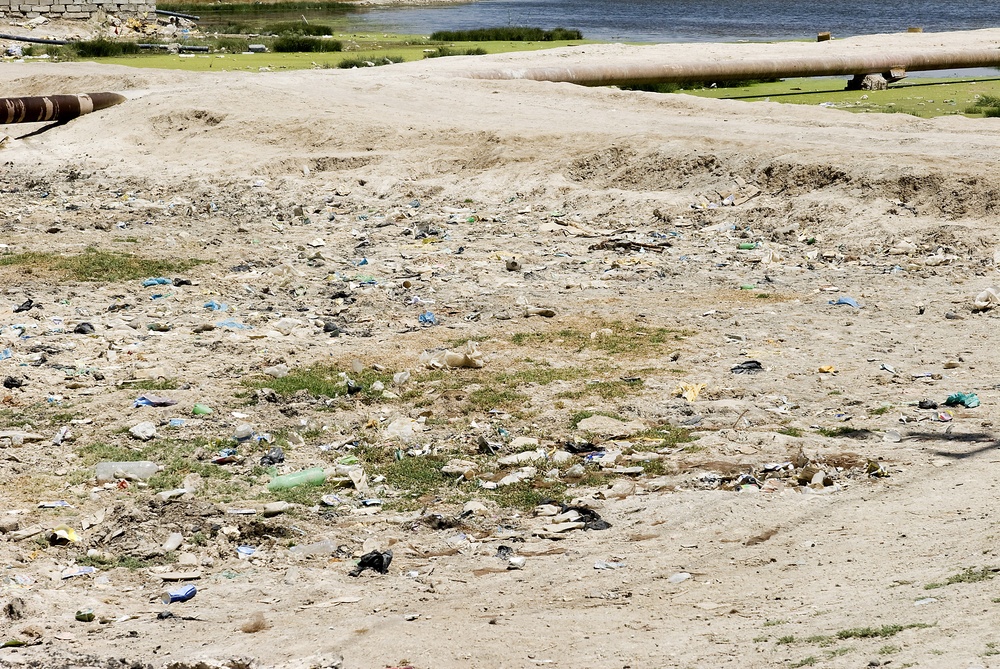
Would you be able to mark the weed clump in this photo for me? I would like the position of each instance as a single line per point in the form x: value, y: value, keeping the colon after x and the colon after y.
x: 304, y: 44
x: 351, y: 63
x: 105, y: 48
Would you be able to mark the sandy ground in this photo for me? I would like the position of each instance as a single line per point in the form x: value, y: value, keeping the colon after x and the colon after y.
x: 253, y: 171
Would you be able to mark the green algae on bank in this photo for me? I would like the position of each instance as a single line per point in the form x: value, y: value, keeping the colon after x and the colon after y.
x: 923, y: 97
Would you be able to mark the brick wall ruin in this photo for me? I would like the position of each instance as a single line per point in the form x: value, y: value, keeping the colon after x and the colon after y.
x: 71, y: 9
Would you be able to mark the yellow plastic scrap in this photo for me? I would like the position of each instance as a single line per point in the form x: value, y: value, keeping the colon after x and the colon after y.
x: 827, y: 369
x: 66, y: 533
x: 689, y: 391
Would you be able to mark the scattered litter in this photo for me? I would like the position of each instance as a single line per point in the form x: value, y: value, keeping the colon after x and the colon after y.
x: 967, y: 400
x: 689, y: 391
x: 446, y: 358
x: 747, y: 367
x: 377, y: 561
x: 846, y: 301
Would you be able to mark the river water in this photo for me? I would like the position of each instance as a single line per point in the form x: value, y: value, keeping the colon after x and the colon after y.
x: 691, y: 20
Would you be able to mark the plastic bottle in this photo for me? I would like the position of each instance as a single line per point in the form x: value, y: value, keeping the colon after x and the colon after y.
x: 319, y: 548
x: 313, y: 476
x: 110, y: 471
x: 173, y: 542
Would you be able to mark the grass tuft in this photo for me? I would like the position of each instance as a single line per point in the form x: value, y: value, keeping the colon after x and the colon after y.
x: 968, y: 575
x: 305, y: 44
x: 96, y: 265
x: 882, y: 632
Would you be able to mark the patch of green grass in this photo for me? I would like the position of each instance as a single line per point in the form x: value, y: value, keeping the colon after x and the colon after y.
x: 232, y: 44
x: 443, y: 52
x: 489, y: 398
x: 882, y: 632
x: 415, y: 475
x: 775, y: 622
x: 785, y: 640
x: 924, y: 97
x: 881, y: 411
x: 524, y: 495
x: 612, y: 338
x: 324, y: 381
x: 298, y: 28
x: 351, y: 63
x: 761, y: 639
x: 97, y: 265
x: 153, y: 384
x: 837, y: 652
x: 821, y: 640
x: 125, y: 561
x: 104, y: 48
x: 791, y: 431
x: 805, y: 662
x: 991, y: 649
x: 968, y: 575
x: 304, y: 44
x: 889, y: 650
x: 654, y: 467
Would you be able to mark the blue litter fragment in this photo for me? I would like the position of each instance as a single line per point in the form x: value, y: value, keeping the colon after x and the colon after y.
x: 216, y: 306
x: 969, y: 400
x: 427, y: 318
x: 849, y: 301
x: 6, y: 353
x: 156, y: 281
x: 364, y: 261
x: 176, y: 422
x: 233, y: 325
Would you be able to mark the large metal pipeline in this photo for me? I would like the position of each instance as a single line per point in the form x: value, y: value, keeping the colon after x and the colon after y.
x: 644, y: 72
x: 54, y: 107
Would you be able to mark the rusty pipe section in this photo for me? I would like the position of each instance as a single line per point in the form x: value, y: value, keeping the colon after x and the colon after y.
x: 55, y: 107
x: 639, y: 72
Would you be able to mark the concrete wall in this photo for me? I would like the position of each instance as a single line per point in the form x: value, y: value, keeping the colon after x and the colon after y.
x: 72, y: 9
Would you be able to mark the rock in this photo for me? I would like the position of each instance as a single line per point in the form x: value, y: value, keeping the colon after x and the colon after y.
x: 187, y: 560
x: 466, y: 468
x: 277, y: 371
x: 8, y: 524
x: 144, y: 431
x: 519, y: 458
x: 561, y: 457
x: 286, y: 325
x: 276, y: 508
x: 475, y: 508
x: 15, y: 609
x: 520, y: 443
x: 606, y: 426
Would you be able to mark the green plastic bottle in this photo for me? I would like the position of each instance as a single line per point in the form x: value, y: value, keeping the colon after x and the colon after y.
x: 313, y: 476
